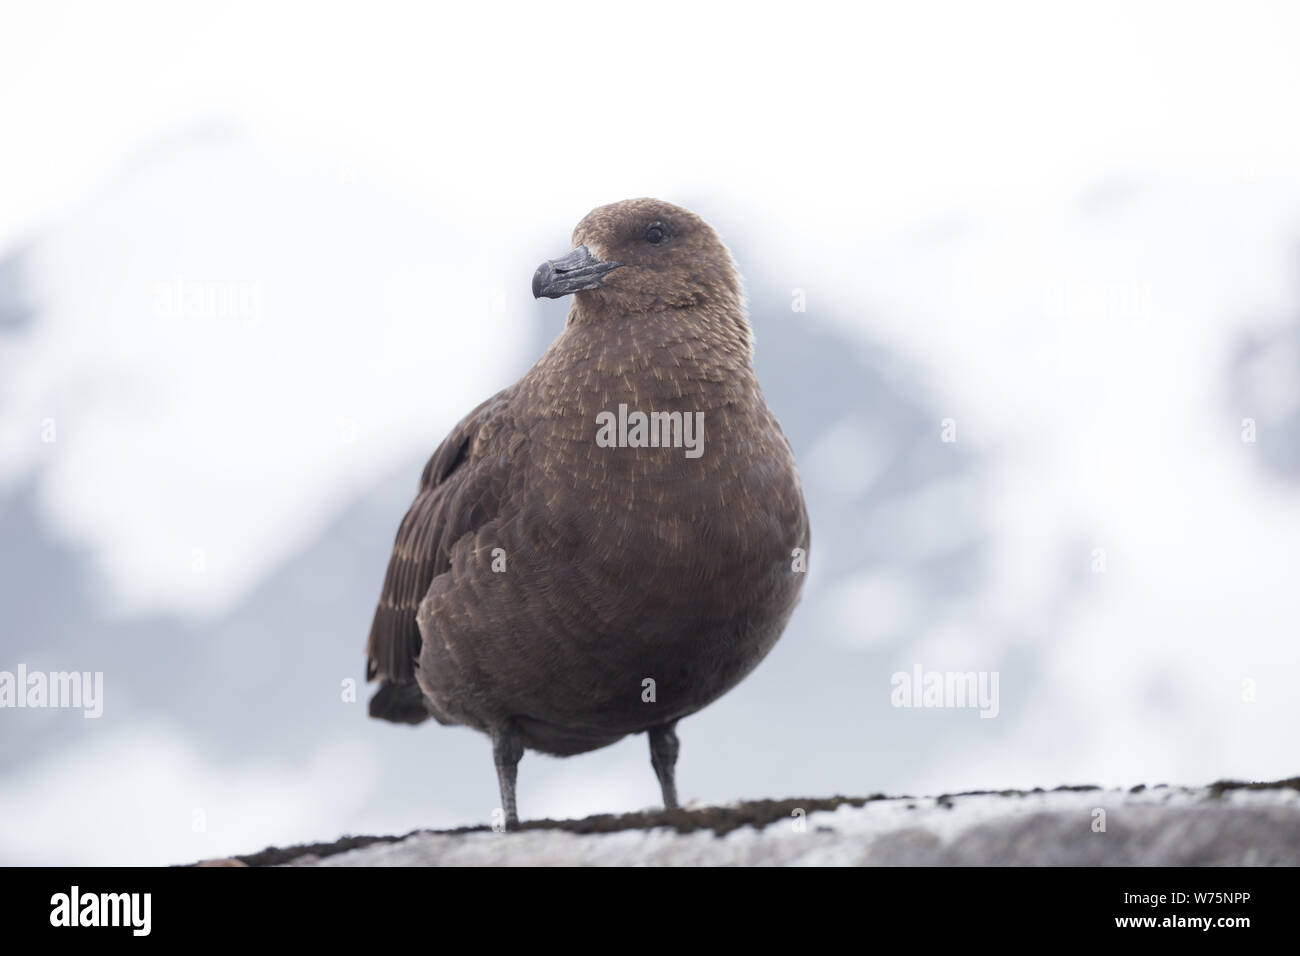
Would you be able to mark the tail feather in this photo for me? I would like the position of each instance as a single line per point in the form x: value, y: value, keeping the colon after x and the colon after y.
x: 402, y: 703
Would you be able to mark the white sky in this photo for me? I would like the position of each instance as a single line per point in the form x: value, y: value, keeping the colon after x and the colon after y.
x: 839, y: 115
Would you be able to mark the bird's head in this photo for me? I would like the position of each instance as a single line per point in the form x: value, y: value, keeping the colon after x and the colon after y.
x: 641, y: 256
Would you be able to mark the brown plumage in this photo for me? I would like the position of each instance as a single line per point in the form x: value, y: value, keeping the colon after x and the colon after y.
x: 541, y: 578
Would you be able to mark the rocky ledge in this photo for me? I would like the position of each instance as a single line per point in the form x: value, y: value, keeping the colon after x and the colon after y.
x: 1229, y: 823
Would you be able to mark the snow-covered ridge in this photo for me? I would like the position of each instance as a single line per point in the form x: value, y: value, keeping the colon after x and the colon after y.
x: 1224, y: 824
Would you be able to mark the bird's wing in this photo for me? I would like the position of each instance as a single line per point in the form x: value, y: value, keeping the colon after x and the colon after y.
x: 459, y: 492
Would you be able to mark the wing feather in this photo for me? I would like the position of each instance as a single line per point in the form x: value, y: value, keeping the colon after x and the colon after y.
x: 455, y: 499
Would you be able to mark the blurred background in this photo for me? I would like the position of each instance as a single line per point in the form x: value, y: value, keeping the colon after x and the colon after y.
x: 257, y: 259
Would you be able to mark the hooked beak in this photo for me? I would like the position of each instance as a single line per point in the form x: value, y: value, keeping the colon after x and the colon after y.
x: 577, y: 271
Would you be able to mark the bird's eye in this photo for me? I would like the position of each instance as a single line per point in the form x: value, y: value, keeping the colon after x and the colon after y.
x: 655, y: 233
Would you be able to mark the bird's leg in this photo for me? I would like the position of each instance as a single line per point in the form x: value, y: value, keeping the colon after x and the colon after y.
x: 507, y: 748
x: 663, y: 757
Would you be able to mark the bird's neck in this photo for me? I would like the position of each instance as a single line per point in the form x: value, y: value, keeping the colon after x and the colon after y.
x: 711, y: 337
x: 654, y: 361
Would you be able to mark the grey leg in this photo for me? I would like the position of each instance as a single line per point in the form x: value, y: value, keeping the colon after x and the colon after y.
x: 507, y: 748
x: 663, y: 757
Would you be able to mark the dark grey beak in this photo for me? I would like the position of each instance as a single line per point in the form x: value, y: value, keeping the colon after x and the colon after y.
x: 575, y: 272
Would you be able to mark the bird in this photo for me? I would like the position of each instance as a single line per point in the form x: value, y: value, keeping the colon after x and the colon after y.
x: 617, y: 539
